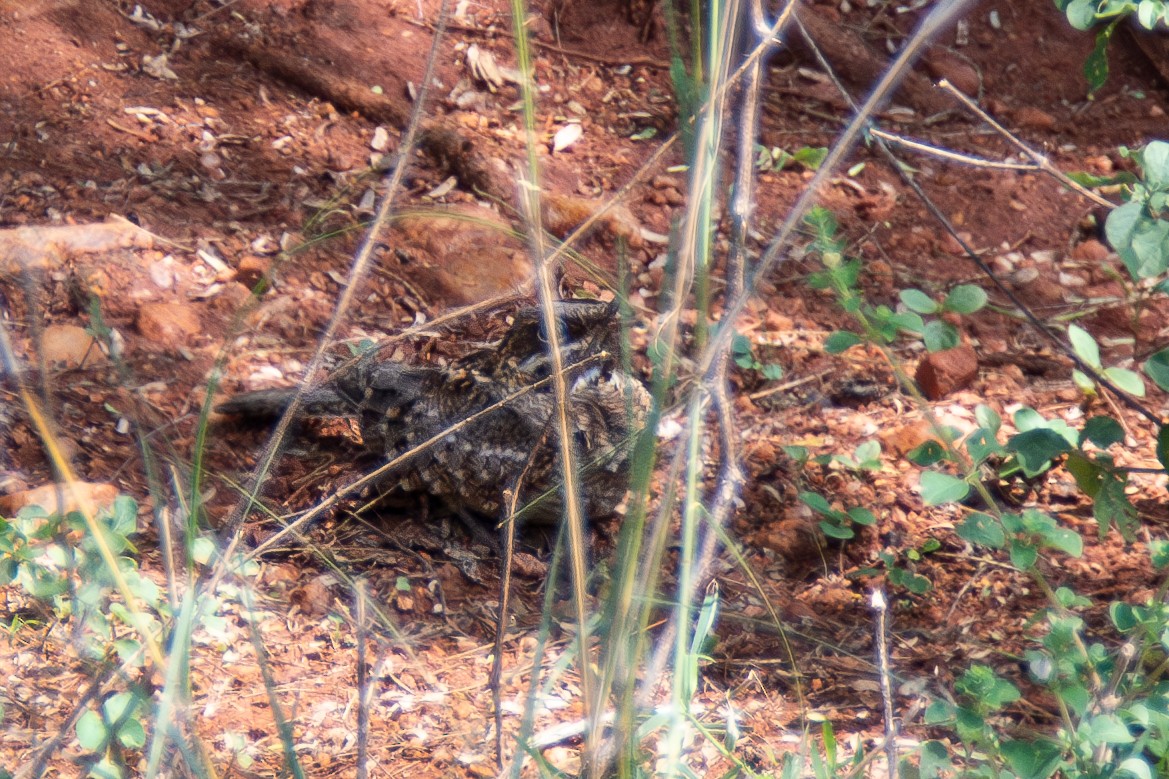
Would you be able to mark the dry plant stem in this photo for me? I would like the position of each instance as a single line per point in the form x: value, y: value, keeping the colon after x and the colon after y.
x: 529, y: 201
x: 1107, y: 702
x: 949, y: 155
x: 509, y: 531
x: 787, y: 385
x: 881, y: 634
x: 358, y: 270
x: 364, y: 688
x: 1040, y: 160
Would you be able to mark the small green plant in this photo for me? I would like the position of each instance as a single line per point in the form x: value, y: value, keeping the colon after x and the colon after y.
x: 1086, y: 14
x: 936, y: 333
x: 744, y: 355
x: 1138, y: 230
x: 836, y: 523
x: 1088, y: 350
x: 901, y: 568
x: 881, y: 324
x: 775, y: 158
x: 115, y: 725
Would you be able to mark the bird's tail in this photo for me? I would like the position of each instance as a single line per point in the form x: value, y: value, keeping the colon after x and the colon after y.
x: 271, y: 403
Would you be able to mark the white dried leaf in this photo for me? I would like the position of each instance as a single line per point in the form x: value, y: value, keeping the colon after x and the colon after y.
x: 483, y: 67
x: 442, y: 189
x: 566, y: 136
x: 157, y: 67
x: 218, y: 265
x: 381, y: 139
x: 649, y: 236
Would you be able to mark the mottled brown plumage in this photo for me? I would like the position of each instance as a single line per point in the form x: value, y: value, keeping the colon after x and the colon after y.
x: 400, y: 407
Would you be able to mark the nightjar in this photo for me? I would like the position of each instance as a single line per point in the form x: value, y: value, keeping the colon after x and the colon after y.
x: 493, y: 429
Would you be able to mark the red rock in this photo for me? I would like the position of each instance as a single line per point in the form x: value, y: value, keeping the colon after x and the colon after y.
x: 169, y: 324
x: 74, y: 496
x: 1033, y: 118
x: 941, y: 63
x: 70, y: 346
x: 905, y: 438
x: 941, y: 373
x: 460, y: 255
x: 252, y: 268
x: 1091, y: 250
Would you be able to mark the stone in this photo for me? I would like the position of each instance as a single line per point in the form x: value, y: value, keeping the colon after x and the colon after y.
x: 941, y: 373
x: 1032, y: 118
x: 460, y: 255
x: 903, y: 439
x: 70, y: 346
x: 169, y: 324
x: 1091, y: 250
x: 74, y: 496
x: 252, y: 268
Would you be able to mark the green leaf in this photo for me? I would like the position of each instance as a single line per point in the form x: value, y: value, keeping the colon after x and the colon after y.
x: 810, y: 157
x: 939, y: 712
x: 841, y: 340
x: 1096, y: 63
x: 1102, y: 431
x: 1065, y: 540
x: 833, y: 529
x: 1089, y: 475
x: 1163, y: 446
x: 916, y: 300
x: 797, y: 453
x: 940, y: 336
x: 868, y: 452
x: 1023, y: 555
x: 1109, y: 729
x: 1159, y: 552
x: 817, y: 503
x: 1157, y: 369
x: 1036, y: 448
x: 935, y: 761
x: 1081, y: 14
x: 1134, y: 766
x: 1148, y: 13
x: 965, y: 299
x: 1155, y: 157
x: 1148, y: 254
x: 1032, y: 759
x: 862, y: 516
x: 1113, y: 507
x: 106, y: 768
x: 909, y: 321
x: 927, y: 454
x: 987, y: 418
x: 938, y: 488
x: 915, y: 583
x: 132, y: 735
x: 983, y: 530
x: 1121, y: 222
x: 772, y: 372
x: 1129, y: 381
x: 91, y: 731
x: 1084, y: 345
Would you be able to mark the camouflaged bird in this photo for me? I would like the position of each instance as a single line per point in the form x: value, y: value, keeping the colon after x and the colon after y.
x: 400, y: 406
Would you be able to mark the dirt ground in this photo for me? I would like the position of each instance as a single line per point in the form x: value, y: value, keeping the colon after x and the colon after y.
x: 231, y: 132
